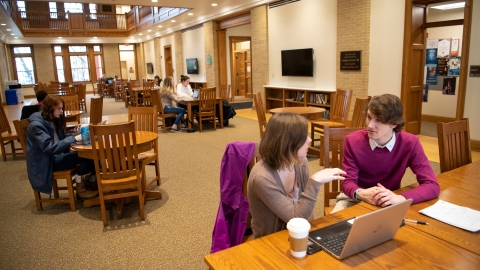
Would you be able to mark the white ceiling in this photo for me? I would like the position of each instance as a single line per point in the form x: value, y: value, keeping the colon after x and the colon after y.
x: 202, y: 10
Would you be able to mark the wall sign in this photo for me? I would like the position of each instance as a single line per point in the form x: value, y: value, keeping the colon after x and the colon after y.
x: 474, y: 71
x: 350, y: 60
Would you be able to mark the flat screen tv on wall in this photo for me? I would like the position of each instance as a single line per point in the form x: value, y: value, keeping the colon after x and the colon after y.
x: 192, y: 66
x: 297, y: 62
x: 149, y: 68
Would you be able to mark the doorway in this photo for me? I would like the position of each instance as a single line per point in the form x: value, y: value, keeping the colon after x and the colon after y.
x: 167, y: 52
x: 241, y: 78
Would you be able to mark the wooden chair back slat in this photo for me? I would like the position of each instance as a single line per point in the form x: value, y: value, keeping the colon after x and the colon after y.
x: 341, y: 106
x: 359, y: 117
x: 157, y: 101
x: 96, y: 110
x: 145, y: 118
x: 21, y: 130
x: 454, y: 144
x: 262, y: 120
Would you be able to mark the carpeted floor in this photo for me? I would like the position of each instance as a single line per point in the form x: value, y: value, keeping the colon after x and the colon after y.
x: 175, y: 235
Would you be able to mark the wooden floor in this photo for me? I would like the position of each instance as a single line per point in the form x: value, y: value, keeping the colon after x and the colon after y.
x: 430, y: 144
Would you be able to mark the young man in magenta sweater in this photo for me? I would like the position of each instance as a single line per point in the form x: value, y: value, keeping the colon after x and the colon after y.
x: 376, y: 158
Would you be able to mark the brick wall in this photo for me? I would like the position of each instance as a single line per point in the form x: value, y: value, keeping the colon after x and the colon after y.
x: 353, y: 34
x: 44, y: 63
x: 211, y: 48
x: 178, y: 44
x: 259, y: 46
x: 111, y: 56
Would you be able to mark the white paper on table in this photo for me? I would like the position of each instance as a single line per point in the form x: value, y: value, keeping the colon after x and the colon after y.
x: 456, y: 215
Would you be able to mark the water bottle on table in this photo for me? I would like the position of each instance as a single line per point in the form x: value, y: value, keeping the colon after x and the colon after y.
x: 85, y: 132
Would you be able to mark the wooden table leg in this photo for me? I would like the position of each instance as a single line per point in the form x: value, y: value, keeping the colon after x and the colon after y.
x: 189, y: 115
x: 220, y: 107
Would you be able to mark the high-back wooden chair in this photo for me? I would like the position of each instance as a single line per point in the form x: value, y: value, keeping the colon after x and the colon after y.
x: 335, y: 138
x: 120, y: 175
x: 262, y: 119
x: 454, y: 144
x: 82, y: 97
x: 225, y: 92
x: 162, y: 116
x: 21, y: 128
x: 146, y: 99
x: 119, y: 91
x: 145, y: 119
x: 6, y: 135
x: 96, y: 110
x: 338, y: 118
x: 206, y: 107
x: 64, y: 84
x: 71, y: 103
x: 359, y: 117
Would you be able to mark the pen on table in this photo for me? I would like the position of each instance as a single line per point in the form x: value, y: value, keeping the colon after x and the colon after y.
x: 416, y: 221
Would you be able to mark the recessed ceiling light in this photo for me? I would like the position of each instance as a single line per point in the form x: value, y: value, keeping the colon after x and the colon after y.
x: 149, y: 30
x: 3, y: 24
x: 173, y: 21
x: 214, y: 5
x: 190, y: 14
x: 154, y: 1
x: 59, y: 37
x: 9, y: 29
x: 15, y: 37
x: 450, y: 6
x: 160, y: 26
x: 94, y: 37
x: 12, y: 34
x: 132, y: 37
x: 140, y: 34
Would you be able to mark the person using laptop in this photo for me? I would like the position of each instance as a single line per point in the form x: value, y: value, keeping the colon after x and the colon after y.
x: 280, y: 186
x: 183, y: 88
x: 376, y: 158
x: 168, y: 96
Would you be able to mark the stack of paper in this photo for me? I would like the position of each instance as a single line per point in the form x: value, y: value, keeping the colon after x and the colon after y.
x: 458, y: 216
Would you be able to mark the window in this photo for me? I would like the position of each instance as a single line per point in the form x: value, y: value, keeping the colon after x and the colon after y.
x: 21, y: 8
x: 73, y: 8
x: 93, y: 11
x: 52, y: 6
x: 24, y: 67
x: 78, y: 63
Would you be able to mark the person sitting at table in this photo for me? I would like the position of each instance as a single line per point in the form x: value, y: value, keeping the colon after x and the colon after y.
x: 280, y: 186
x: 157, y: 81
x: 376, y: 158
x: 168, y: 96
x: 183, y: 88
x: 30, y: 109
x: 48, y: 148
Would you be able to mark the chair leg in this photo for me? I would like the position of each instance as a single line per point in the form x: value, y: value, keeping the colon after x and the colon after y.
x: 157, y: 171
x: 4, y: 154
x: 71, y: 194
x: 55, y: 188
x: 104, y: 210
x: 38, y: 200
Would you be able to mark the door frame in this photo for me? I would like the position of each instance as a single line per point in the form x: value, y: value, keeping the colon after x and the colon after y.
x: 462, y: 87
x: 233, y: 40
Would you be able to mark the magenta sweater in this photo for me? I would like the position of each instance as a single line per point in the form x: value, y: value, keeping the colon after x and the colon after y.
x: 365, y: 168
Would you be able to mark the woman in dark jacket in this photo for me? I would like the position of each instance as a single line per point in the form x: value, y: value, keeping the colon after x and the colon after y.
x: 48, y: 148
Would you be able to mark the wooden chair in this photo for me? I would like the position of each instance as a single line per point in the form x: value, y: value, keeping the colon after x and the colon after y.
x: 6, y: 135
x: 119, y: 91
x: 359, y: 117
x: 64, y: 84
x: 162, y: 116
x: 96, y: 110
x: 338, y: 118
x: 120, y: 175
x: 68, y: 91
x: 454, y: 144
x: 21, y: 128
x: 262, y: 120
x: 206, y: 108
x: 100, y: 89
x: 225, y: 92
x: 145, y: 119
x: 71, y: 103
x: 146, y: 99
x: 82, y: 97
x: 334, y: 137
x: 94, y: 89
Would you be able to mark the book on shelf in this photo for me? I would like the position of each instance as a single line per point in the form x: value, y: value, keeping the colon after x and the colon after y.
x: 326, y: 114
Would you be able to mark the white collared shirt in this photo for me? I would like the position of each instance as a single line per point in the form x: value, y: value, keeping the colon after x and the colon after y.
x: 389, y: 145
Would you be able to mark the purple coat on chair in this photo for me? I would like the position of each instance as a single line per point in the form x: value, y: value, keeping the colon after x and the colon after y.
x: 232, y: 212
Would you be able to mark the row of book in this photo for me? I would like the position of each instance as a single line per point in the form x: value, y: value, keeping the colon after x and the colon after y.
x: 319, y: 98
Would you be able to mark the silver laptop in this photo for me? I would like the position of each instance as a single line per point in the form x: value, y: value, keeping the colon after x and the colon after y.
x: 354, y: 235
x: 195, y: 93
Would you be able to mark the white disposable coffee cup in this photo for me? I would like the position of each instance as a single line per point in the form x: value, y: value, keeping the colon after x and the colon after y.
x: 298, y: 229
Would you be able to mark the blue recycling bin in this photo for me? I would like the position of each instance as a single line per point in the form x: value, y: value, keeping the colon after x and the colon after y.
x: 11, y: 97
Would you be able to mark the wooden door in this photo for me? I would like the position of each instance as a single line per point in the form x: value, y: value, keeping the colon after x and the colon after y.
x: 167, y: 52
x: 248, y: 75
x: 240, y: 78
x: 413, y: 65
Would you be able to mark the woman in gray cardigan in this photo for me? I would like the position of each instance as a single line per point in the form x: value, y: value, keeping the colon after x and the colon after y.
x: 280, y: 186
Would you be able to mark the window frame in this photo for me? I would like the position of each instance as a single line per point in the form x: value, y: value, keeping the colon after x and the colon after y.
x: 67, y: 68
x: 20, y: 55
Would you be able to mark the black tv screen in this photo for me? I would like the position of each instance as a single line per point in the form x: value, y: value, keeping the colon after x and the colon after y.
x: 297, y: 62
x: 192, y: 66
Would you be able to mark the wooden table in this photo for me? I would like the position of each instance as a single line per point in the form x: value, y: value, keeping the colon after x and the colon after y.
x: 146, y: 140
x: 459, y: 186
x: 436, y: 246
x: 194, y: 102
x: 310, y: 113
x: 72, y: 116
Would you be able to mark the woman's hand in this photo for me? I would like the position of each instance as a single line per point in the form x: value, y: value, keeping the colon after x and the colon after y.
x: 78, y: 137
x: 328, y: 175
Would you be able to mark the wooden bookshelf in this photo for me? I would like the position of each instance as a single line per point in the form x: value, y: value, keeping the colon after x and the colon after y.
x: 198, y: 85
x: 279, y: 97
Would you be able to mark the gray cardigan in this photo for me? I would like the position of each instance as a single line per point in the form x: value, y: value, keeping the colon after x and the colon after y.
x: 270, y: 206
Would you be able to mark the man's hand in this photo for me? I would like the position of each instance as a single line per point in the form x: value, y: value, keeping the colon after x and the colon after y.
x: 385, y: 197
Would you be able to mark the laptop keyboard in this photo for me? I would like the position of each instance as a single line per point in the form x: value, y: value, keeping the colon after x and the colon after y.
x: 335, y: 243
